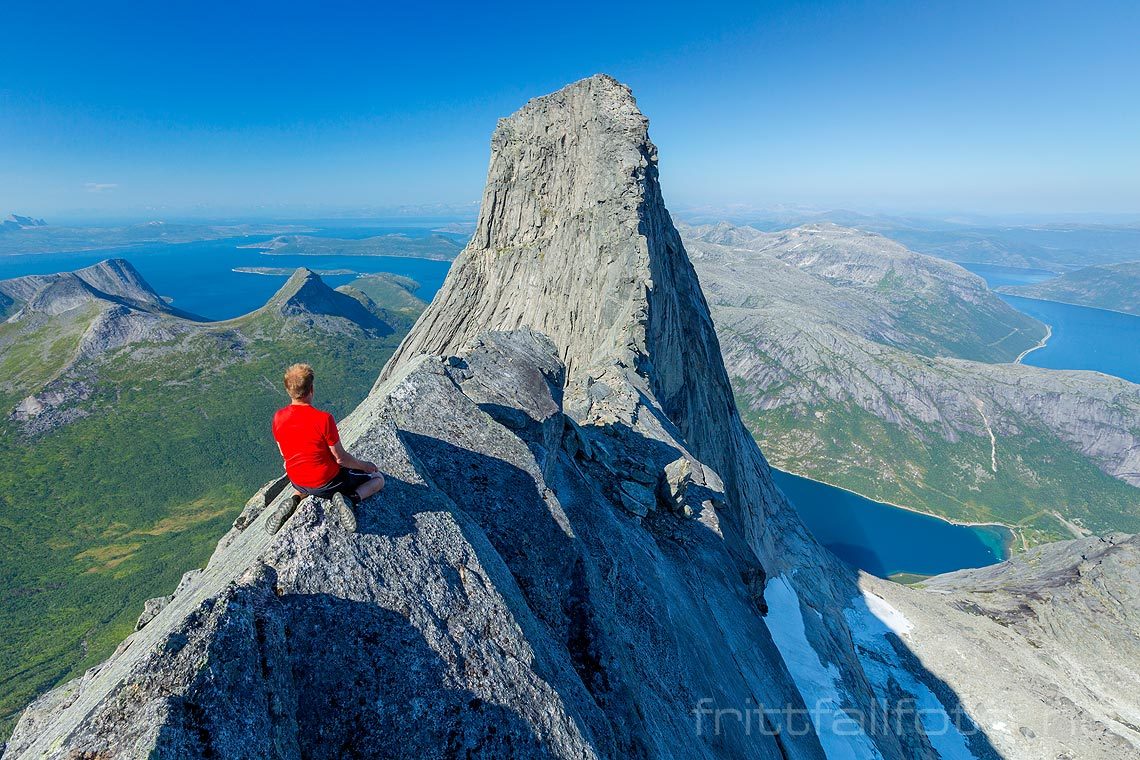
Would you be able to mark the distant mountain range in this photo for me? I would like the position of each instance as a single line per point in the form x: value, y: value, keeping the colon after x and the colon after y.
x: 1019, y: 242
x: 865, y: 365
x: 16, y: 222
x: 34, y: 236
x: 131, y: 433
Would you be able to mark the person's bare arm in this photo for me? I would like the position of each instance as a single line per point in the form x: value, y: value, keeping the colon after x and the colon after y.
x: 344, y: 459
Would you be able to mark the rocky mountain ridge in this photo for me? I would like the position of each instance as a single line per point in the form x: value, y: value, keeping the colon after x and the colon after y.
x: 1061, y: 621
x: 539, y: 489
x: 114, y: 280
x: 840, y: 384
x: 580, y: 552
x: 110, y: 393
x: 17, y: 222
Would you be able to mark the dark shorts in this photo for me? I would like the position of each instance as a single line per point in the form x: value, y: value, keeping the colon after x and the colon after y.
x: 345, y: 482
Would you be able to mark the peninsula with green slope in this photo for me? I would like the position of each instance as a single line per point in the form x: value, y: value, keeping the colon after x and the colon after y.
x: 1115, y: 287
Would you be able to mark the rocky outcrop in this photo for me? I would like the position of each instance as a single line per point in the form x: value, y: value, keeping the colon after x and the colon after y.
x: 570, y: 557
x: 499, y: 599
x: 305, y: 295
x: 1043, y: 648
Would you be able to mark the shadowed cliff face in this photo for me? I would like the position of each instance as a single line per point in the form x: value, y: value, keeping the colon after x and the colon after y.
x: 571, y: 554
x: 574, y: 241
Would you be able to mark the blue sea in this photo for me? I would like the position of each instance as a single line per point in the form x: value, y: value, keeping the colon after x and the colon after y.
x: 883, y: 539
x: 198, y: 277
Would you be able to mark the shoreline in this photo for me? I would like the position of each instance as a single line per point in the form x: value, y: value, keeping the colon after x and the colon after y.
x: 1040, y: 344
x: 1008, y: 548
x: 1067, y: 303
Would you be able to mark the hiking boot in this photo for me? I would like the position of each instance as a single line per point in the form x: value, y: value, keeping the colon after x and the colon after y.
x: 343, y: 506
x: 274, y: 522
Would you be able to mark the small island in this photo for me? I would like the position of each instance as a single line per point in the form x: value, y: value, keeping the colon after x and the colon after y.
x: 438, y: 247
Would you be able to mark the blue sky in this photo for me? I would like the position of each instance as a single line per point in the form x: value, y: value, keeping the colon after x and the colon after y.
x: 167, y: 108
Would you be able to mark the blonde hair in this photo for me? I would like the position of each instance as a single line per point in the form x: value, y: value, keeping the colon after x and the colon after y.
x: 299, y: 381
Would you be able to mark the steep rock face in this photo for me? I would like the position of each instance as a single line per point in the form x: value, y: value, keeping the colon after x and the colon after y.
x: 573, y: 547
x: 1044, y: 648
x: 573, y: 554
x: 499, y: 599
x: 574, y: 240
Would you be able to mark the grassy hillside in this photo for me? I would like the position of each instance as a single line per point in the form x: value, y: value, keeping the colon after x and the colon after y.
x: 860, y: 364
x: 1112, y: 286
x: 1041, y: 485
x: 108, y: 510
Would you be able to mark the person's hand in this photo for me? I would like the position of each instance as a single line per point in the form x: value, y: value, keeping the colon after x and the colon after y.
x: 370, y: 468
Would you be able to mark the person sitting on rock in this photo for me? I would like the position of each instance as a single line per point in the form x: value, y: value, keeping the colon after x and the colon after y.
x: 315, y: 461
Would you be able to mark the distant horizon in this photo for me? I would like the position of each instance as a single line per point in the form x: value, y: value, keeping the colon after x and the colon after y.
x: 1009, y: 108
x: 741, y: 214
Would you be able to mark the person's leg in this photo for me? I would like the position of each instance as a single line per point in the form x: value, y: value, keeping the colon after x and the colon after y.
x: 280, y: 515
x: 371, y: 487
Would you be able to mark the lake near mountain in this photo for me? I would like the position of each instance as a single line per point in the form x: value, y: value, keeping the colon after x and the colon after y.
x: 885, y: 540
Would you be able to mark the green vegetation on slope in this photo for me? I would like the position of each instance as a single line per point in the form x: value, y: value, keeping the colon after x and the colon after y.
x: 99, y: 514
x: 1040, y: 482
x: 393, y: 294
x: 937, y: 325
x: 861, y: 364
x: 1112, y: 286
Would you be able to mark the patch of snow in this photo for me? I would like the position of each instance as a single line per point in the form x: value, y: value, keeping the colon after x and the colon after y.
x: 818, y: 684
x: 870, y: 624
x: 894, y: 620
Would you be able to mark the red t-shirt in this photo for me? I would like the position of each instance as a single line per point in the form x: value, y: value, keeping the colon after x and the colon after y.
x: 305, y: 434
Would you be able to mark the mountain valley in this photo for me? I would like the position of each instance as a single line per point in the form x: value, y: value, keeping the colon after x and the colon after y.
x: 831, y: 339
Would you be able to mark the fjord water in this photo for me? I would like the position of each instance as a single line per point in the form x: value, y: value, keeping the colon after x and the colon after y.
x: 199, y: 276
x: 885, y: 540
x: 1083, y: 337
